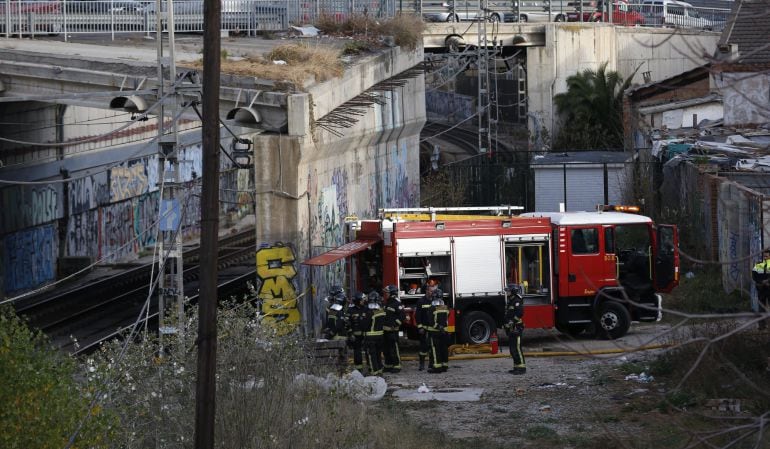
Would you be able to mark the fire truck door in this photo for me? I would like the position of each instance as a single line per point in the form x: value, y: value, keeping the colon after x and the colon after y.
x: 585, y: 263
x: 666, y: 258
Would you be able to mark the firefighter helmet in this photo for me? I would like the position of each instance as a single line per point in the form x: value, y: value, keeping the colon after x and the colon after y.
x: 374, y: 297
x: 374, y: 300
x: 336, y: 290
x: 514, y: 289
x: 391, y: 290
x: 358, y: 298
x: 437, y: 297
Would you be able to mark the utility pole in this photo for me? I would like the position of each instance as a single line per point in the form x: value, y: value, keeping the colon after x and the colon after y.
x: 205, y: 389
x: 171, y: 283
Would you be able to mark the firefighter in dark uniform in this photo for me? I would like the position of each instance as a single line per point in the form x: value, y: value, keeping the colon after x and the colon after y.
x: 760, y: 274
x: 421, y: 311
x: 514, y: 326
x: 356, y: 318
x: 336, y: 319
x: 438, y: 319
x: 394, y: 317
x: 373, y: 334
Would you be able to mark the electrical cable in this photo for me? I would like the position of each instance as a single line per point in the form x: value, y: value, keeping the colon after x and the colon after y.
x: 88, y: 172
x: 136, y: 119
x: 455, y: 125
x: 98, y: 394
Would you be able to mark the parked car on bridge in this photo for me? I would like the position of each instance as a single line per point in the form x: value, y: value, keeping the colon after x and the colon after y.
x: 596, y: 11
x: 463, y: 10
x: 27, y: 17
x: 677, y: 14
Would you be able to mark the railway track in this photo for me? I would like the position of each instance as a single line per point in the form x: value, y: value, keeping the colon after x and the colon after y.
x: 465, y: 139
x: 78, y: 320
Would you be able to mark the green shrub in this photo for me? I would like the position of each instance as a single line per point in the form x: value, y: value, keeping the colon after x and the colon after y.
x: 42, y: 403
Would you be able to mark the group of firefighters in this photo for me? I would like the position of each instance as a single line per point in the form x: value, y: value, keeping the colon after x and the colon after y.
x: 370, y: 323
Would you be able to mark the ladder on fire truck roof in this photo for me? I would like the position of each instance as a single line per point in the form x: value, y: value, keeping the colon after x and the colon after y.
x: 454, y: 213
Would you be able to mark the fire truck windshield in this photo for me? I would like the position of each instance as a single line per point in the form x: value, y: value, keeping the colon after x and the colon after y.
x: 632, y: 237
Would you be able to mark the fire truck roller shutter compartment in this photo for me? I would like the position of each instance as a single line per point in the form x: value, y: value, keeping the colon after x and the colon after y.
x: 435, y: 246
x: 478, y: 266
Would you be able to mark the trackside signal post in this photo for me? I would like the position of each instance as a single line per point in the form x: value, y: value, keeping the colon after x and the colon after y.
x: 578, y: 270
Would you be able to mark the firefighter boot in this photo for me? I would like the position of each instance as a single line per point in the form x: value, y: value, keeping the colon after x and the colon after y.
x: 422, y: 363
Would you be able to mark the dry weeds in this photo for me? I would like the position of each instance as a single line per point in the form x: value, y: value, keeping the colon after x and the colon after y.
x: 304, y: 63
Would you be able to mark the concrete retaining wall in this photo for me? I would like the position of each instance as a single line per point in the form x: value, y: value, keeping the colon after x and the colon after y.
x: 571, y: 48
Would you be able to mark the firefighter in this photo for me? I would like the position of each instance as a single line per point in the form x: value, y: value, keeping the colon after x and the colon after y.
x: 421, y: 311
x: 336, y: 320
x: 514, y: 326
x: 373, y: 334
x: 760, y: 274
x: 356, y: 318
x: 394, y: 317
x: 438, y: 318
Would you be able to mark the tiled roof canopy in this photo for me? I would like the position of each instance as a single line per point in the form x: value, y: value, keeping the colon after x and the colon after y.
x: 749, y: 29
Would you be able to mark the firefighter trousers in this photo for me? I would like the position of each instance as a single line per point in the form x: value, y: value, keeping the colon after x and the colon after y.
x: 373, y: 353
x: 514, y: 345
x: 390, y: 350
x: 424, y: 344
x: 358, y: 352
x: 439, y: 351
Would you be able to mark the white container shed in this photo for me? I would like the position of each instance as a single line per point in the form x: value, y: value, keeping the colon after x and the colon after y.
x: 580, y: 179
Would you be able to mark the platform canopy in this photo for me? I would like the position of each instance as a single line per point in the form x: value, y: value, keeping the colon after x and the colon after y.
x: 348, y: 249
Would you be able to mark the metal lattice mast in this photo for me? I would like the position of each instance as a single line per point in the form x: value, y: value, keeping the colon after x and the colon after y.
x: 171, y: 284
x: 482, y: 62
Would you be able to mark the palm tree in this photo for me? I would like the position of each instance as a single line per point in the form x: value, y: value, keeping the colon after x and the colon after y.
x: 592, y: 110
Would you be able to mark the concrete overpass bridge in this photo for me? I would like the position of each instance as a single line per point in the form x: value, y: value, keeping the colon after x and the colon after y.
x: 452, y: 35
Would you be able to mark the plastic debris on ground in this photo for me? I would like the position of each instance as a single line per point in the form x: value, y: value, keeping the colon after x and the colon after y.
x: 279, y: 62
x: 369, y: 388
x: 423, y: 393
x: 549, y: 385
x: 306, y: 31
x: 642, y: 378
x: 545, y: 408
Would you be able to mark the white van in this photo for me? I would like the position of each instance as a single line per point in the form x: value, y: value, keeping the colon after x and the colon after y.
x: 673, y: 13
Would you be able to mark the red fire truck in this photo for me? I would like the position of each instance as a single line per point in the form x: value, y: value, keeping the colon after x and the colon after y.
x: 579, y: 270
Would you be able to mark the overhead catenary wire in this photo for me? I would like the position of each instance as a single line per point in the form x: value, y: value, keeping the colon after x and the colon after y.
x: 88, y: 173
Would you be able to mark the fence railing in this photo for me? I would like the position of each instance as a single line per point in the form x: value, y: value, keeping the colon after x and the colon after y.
x: 30, y: 17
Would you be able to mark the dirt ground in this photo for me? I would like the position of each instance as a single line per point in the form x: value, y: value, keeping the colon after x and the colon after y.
x: 562, y: 401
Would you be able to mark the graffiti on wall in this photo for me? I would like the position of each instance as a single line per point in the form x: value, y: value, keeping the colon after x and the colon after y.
x: 145, y: 218
x: 31, y: 206
x: 128, y: 181
x: 277, y: 290
x: 399, y: 190
x: 117, y: 231
x: 449, y: 105
x: 83, y: 234
x: 30, y: 258
x: 88, y: 193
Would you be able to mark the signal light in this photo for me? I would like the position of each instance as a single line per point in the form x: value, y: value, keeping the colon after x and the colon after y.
x: 617, y: 208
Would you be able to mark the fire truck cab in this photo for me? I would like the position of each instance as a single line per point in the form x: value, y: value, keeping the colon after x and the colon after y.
x: 579, y: 271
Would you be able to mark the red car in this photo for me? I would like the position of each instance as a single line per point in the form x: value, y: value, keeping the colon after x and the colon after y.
x: 596, y: 11
x: 28, y: 16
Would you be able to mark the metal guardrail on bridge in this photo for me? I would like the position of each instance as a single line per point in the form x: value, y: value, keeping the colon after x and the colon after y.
x: 30, y: 17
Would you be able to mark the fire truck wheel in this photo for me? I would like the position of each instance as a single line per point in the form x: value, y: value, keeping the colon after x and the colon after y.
x: 477, y: 327
x: 613, y: 320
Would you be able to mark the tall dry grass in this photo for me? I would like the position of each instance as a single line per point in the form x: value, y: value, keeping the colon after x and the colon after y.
x: 259, y: 405
x: 299, y: 64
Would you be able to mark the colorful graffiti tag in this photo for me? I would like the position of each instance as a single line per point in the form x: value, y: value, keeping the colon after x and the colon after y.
x: 30, y: 258
x: 277, y: 292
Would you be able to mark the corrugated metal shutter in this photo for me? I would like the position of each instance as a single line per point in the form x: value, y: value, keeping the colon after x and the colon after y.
x: 435, y: 246
x: 478, y: 268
